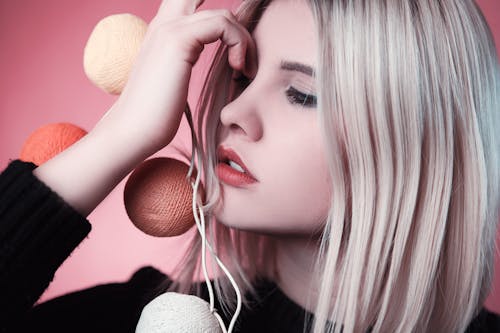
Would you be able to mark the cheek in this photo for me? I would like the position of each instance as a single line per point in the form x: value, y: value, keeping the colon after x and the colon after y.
x: 303, y: 188
x: 295, y: 191
x: 293, y: 195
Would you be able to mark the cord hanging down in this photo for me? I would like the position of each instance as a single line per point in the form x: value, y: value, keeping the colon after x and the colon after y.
x: 200, y: 224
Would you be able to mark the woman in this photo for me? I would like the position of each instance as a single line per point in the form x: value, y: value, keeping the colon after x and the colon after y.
x: 351, y: 160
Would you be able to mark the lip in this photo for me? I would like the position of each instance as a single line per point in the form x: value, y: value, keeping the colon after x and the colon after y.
x: 229, y: 175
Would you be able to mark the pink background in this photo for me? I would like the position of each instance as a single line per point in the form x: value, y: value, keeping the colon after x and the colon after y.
x: 42, y: 82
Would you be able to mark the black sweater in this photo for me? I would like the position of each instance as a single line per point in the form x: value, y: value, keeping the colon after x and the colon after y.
x: 38, y: 231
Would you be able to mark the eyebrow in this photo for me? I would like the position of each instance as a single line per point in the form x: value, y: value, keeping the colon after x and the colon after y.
x: 298, y: 67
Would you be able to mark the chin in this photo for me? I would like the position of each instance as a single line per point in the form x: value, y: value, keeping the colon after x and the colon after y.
x: 264, y: 229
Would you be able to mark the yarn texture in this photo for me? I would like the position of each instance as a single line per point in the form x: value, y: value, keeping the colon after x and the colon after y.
x: 49, y: 140
x: 158, y: 197
x: 111, y: 50
x: 173, y: 312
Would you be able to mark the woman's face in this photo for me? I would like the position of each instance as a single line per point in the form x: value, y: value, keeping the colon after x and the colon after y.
x: 273, y: 129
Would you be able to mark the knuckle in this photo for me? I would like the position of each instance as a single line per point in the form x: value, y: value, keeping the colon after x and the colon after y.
x: 223, y: 20
x: 220, y: 25
x: 227, y: 13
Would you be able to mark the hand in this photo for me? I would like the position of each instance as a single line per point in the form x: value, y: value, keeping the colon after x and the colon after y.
x: 151, y: 105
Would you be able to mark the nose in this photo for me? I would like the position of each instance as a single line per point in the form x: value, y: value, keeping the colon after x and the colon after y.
x: 242, y: 117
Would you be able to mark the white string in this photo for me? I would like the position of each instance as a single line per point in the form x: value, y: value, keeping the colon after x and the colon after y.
x: 200, y: 224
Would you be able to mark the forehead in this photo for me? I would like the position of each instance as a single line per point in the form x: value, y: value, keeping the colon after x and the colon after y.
x: 286, y: 31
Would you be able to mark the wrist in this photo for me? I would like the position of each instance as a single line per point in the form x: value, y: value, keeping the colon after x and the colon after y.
x: 123, y: 136
x: 139, y: 130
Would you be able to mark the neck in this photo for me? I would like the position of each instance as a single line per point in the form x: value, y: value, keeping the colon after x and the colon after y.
x: 295, y: 263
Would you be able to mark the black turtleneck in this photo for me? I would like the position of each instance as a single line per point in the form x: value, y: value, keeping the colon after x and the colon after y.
x: 38, y: 231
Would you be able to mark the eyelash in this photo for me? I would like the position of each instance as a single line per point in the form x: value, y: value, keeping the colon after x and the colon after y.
x: 297, y: 97
x: 294, y: 96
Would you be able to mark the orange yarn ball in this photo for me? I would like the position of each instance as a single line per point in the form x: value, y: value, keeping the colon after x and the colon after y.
x: 49, y: 140
x: 158, y: 197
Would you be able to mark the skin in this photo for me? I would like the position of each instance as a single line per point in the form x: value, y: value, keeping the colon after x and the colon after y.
x: 147, y: 114
x: 279, y: 142
x: 281, y: 145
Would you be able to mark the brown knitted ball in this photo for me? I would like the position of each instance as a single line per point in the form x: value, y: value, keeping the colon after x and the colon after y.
x: 158, y: 197
x: 49, y: 140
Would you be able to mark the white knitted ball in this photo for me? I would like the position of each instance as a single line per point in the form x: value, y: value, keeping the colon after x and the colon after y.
x: 111, y: 51
x: 179, y: 313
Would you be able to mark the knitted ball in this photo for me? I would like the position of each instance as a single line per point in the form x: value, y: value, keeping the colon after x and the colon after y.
x: 158, y: 197
x: 49, y: 140
x: 111, y: 51
x: 173, y: 312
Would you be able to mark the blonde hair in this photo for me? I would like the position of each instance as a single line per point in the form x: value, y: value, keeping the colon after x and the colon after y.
x: 408, y: 100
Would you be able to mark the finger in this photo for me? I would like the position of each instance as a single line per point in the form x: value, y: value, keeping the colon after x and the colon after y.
x: 210, y: 13
x: 235, y: 36
x: 176, y: 8
x: 249, y: 60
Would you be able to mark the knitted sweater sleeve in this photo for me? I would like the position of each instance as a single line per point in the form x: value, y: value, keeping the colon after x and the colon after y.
x: 38, y: 231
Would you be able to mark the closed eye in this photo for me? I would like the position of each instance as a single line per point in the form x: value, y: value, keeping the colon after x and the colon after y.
x: 294, y: 96
x: 297, y: 97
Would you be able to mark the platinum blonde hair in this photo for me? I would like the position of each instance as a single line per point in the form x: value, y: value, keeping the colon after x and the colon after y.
x: 408, y: 100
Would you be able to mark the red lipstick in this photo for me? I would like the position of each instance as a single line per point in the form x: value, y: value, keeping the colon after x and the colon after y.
x: 231, y: 170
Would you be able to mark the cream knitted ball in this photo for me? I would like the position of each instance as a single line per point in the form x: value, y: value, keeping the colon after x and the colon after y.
x: 179, y: 313
x: 111, y: 51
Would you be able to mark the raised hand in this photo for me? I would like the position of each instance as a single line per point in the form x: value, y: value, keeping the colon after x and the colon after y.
x: 147, y: 114
x: 153, y: 100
